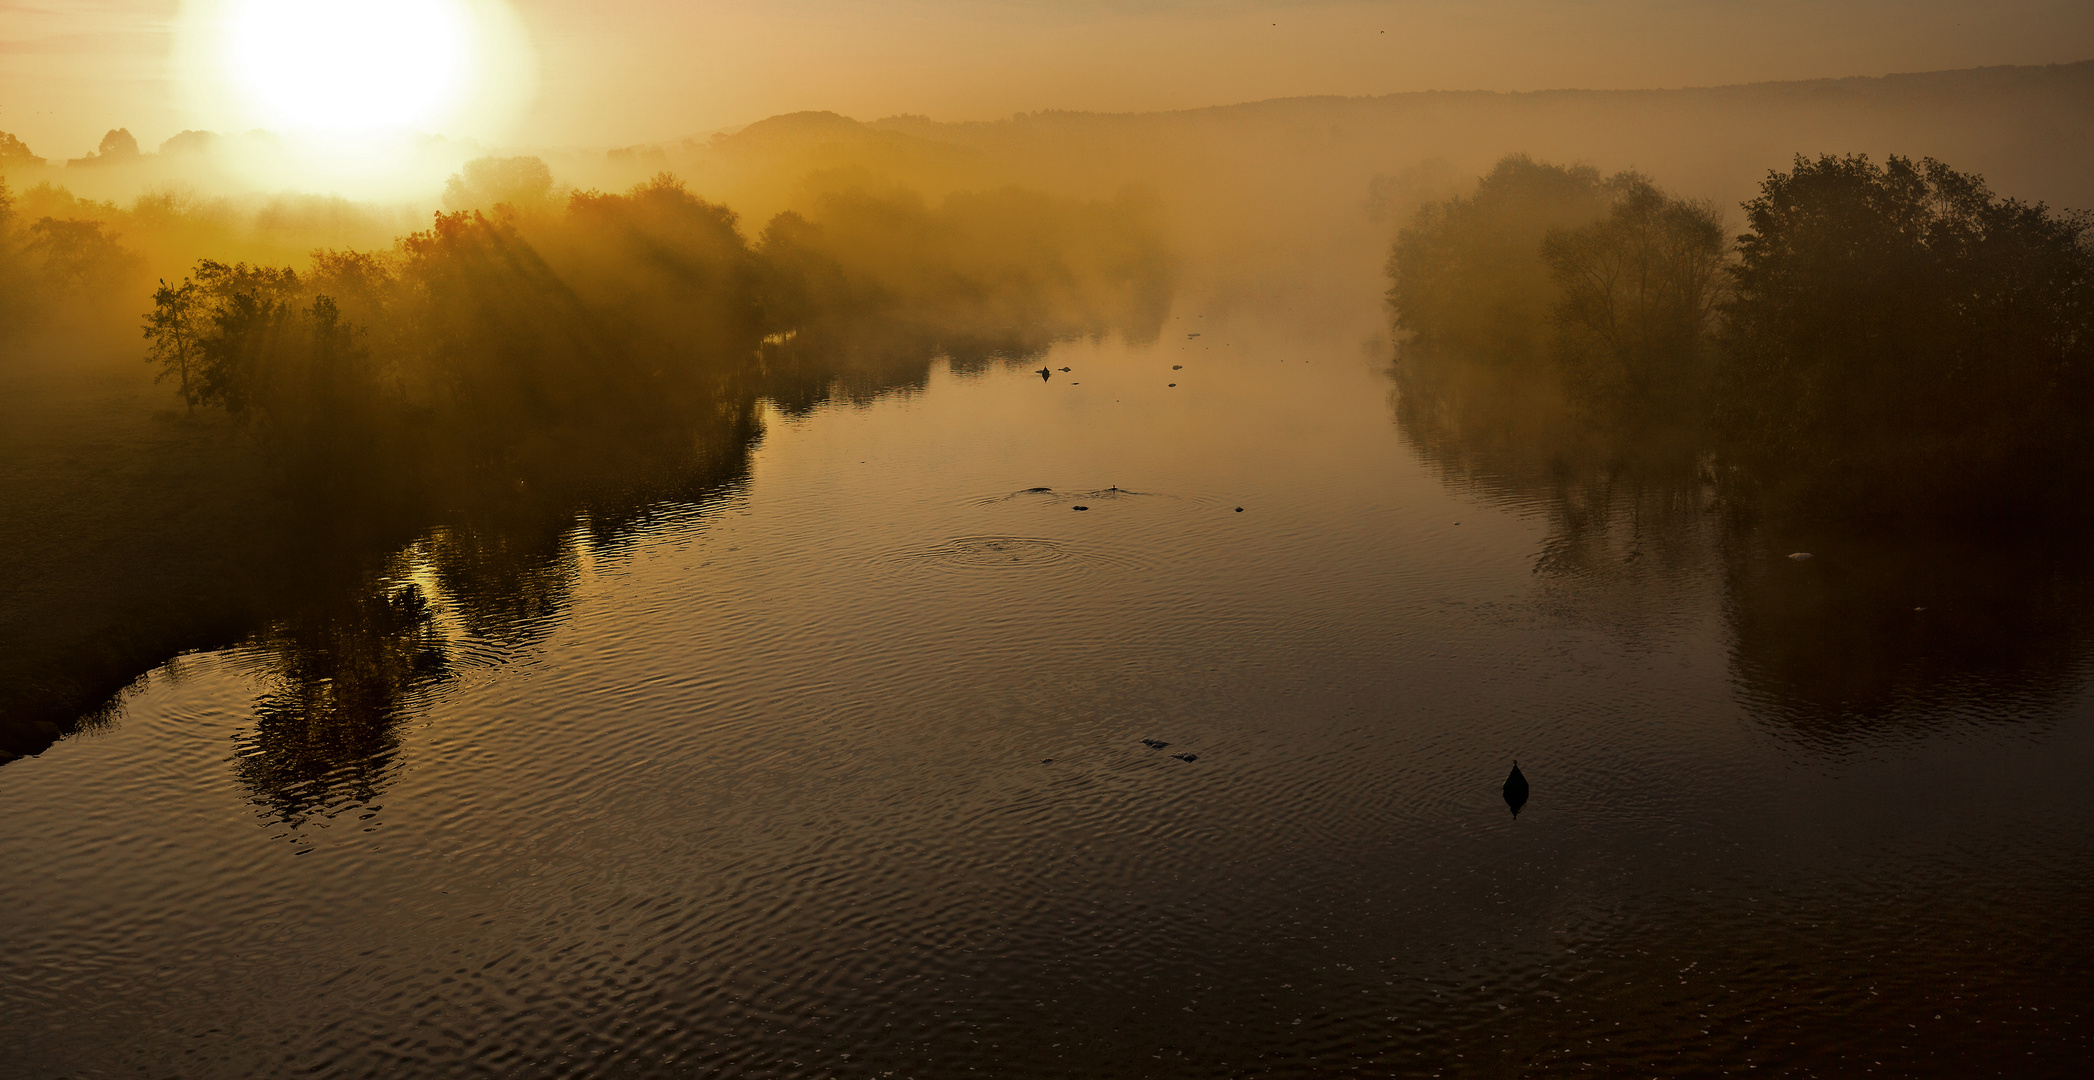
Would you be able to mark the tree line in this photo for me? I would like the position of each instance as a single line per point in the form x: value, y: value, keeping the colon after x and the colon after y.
x: 526, y: 324
x: 1892, y: 338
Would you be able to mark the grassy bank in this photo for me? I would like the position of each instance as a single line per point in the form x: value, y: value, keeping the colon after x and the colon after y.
x: 132, y: 532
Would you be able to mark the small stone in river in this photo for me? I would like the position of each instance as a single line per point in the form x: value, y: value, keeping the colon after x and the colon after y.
x: 1079, y: 508
x: 1186, y: 757
x: 1154, y: 744
x: 1177, y: 367
x: 1799, y: 556
x: 1239, y: 509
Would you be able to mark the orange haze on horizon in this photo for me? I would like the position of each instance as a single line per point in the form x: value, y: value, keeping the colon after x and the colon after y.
x: 630, y: 71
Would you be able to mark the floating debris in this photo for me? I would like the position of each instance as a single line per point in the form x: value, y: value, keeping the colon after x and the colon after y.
x: 1799, y: 556
x: 1079, y: 508
x: 1040, y: 489
x: 1174, y: 384
x: 1189, y: 337
x: 1177, y: 367
x: 1044, y: 374
x: 1186, y: 757
x: 1154, y: 744
x: 1239, y: 509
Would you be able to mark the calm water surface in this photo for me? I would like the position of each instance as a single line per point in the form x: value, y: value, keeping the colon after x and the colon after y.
x: 841, y: 772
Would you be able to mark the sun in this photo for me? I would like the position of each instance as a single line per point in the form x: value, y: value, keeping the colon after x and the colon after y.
x: 340, y: 66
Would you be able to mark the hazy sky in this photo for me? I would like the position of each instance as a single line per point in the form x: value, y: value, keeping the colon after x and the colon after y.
x: 613, y: 72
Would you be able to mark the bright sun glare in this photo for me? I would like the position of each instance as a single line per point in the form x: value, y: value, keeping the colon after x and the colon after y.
x: 336, y: 65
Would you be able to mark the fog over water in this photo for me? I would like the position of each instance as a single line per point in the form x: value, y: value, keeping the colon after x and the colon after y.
x: 1481, y: 582
x: 838, y: 769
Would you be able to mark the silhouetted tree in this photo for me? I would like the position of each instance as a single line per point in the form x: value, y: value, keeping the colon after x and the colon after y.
x: 1637, y: 294
x: 1468, y: 274
x: 14, y: 278
x: 1396, y: 196
x: 1899, y: 332
x: 250, y: 309
x: 521, y: 183
x: 171, y: 329
x: 190, y: 142
x: 14, y: 154
x: 80, y: 255
x: 117, y: 145
x: 671, y: 271
x: 500, y: 337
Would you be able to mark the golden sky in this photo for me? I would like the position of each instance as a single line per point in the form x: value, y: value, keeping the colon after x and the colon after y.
x: 614, y: 72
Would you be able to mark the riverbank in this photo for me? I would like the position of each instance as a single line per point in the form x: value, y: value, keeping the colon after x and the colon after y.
x: 133, y: 532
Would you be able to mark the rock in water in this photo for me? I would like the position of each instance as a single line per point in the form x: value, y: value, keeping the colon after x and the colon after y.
x: 1516, y: 790
x: 1154, y: 744
x: 1186, y: 757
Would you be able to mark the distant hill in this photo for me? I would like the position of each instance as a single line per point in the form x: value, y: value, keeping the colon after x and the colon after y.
x: 2029, y: 129
x: 1295, y: 173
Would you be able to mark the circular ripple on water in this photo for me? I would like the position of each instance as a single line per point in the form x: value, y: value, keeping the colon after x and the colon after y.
x: 989, y: 554
x: 1095, y: 496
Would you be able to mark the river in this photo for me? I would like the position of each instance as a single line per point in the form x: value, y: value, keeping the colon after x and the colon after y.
x: 838, y: 769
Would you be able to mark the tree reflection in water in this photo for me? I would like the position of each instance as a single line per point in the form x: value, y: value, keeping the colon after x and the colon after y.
x: 346, y: 670
x: 1891, y: 630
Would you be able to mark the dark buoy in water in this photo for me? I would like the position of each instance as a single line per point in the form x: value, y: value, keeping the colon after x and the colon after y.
x: 1516, y: 790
